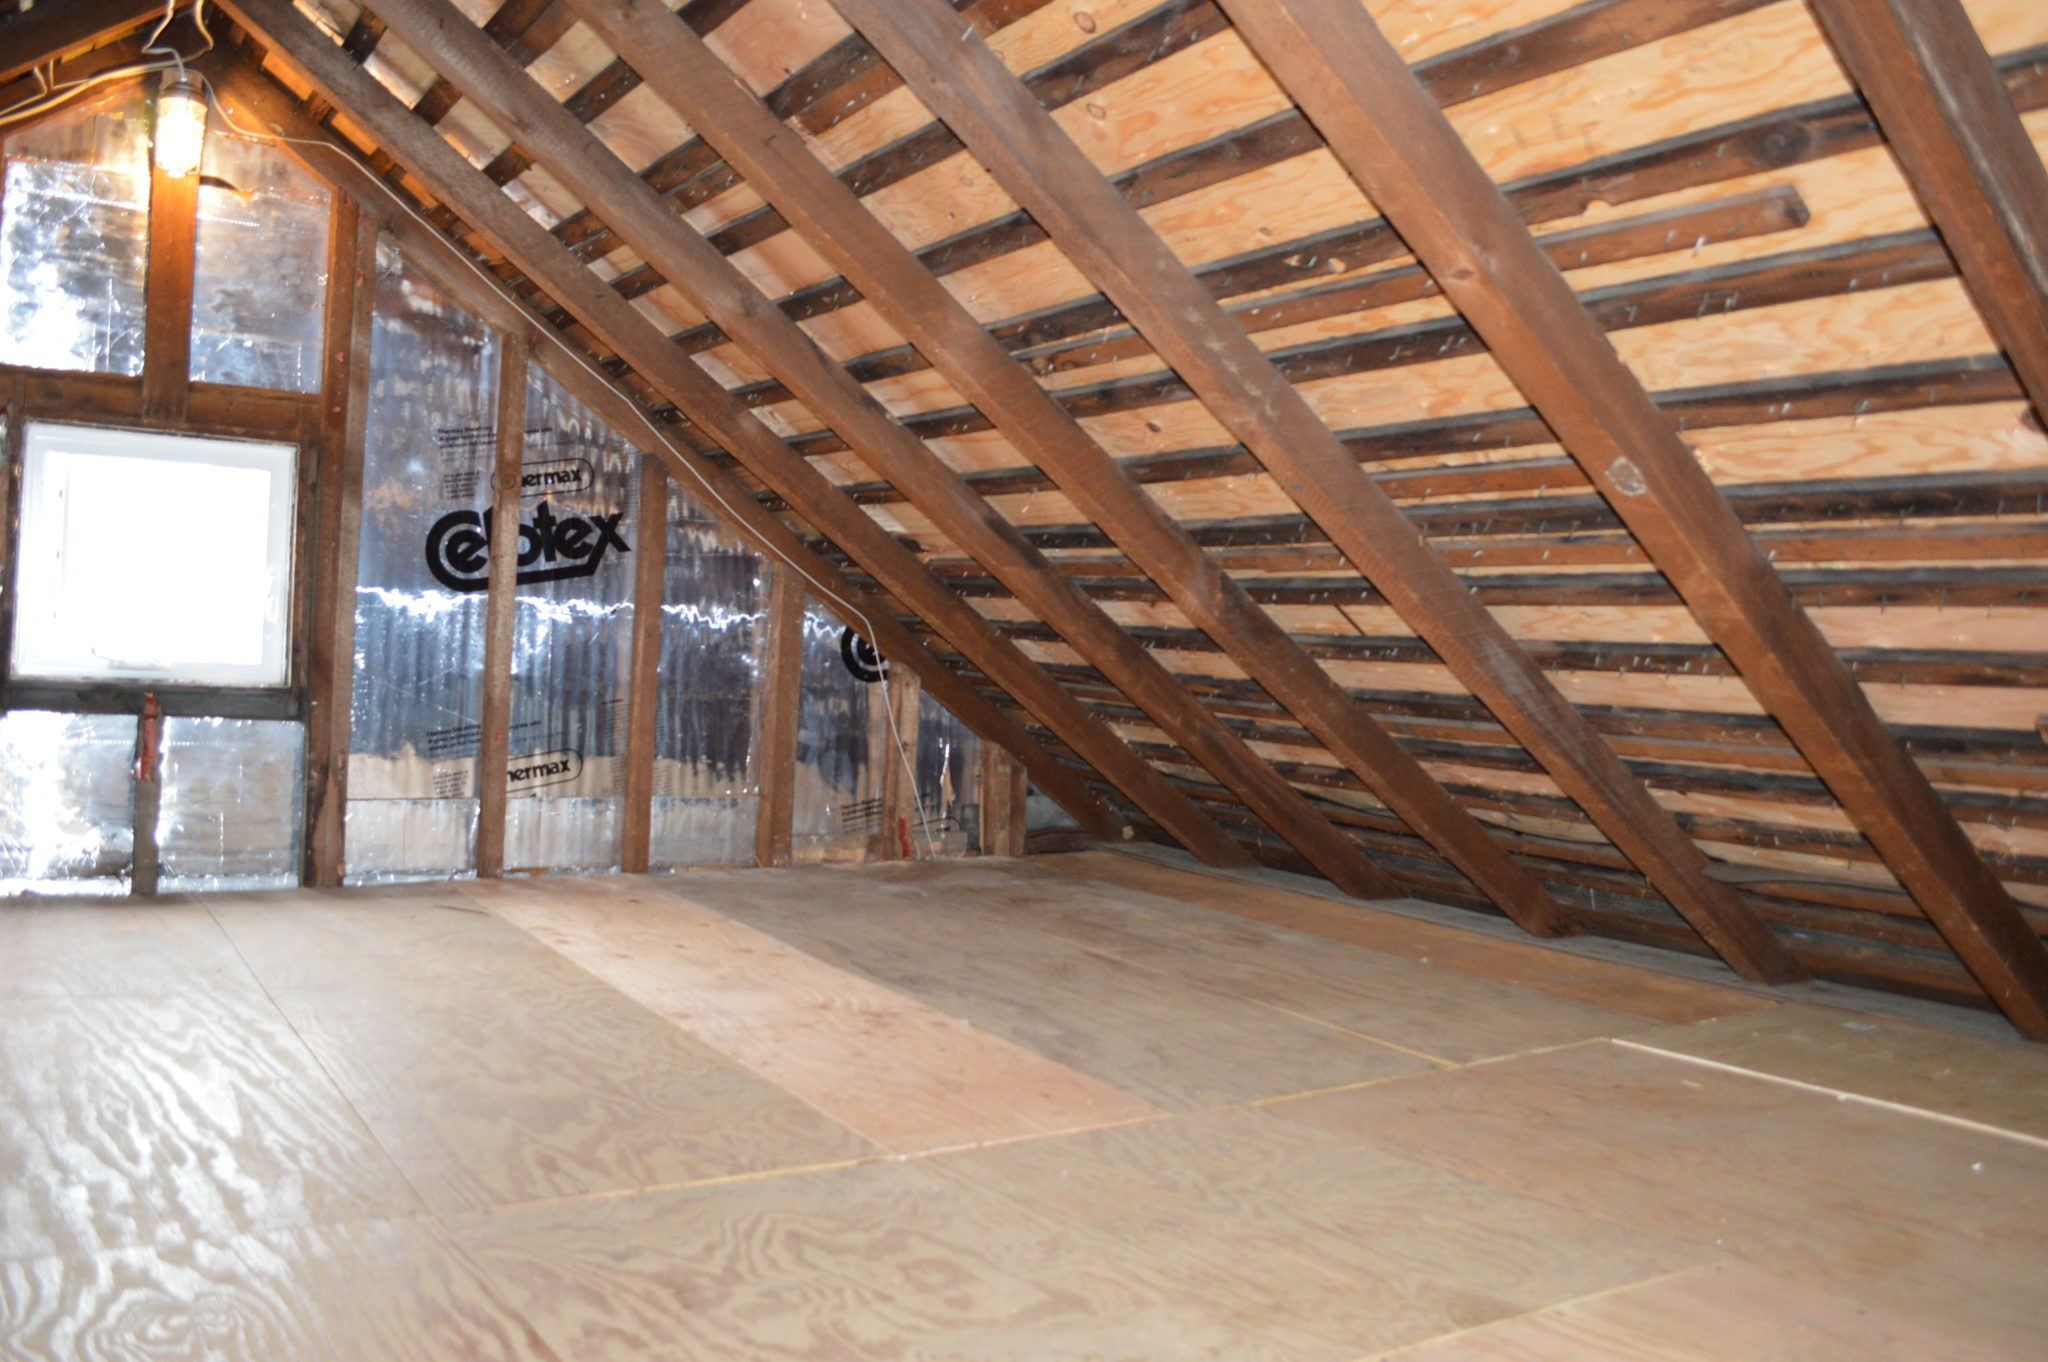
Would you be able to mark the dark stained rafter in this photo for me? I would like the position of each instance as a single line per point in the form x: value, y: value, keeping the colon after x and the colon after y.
x: 1063, y: 335
x: 50, y: 32
x: 966, y: 85
x: 697, y: 84
x: 1951, y: 123
x: 574, y: 156
x: 1395, y: 141
x: 1926, y: 522
x: 342, y: 82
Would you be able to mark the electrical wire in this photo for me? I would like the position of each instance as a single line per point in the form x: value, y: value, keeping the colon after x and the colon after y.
x: 54, y: 94
x: 685, y: 460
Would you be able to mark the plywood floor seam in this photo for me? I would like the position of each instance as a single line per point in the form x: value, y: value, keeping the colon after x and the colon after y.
x: 1082, y: 1106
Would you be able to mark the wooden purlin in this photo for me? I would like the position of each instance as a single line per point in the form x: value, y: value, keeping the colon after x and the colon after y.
x: 489, y: 211
x: 1396, y: 143
x: 570, y: 153
x: 253, y: 99
x: 698, y: 85
x: 1949, y: 120
x: 968, y: 86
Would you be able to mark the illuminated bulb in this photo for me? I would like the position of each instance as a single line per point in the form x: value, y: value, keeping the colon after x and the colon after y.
x: 180, y: 125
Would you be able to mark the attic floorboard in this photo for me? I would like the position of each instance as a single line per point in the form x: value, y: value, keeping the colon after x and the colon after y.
x: 1070, y: 1106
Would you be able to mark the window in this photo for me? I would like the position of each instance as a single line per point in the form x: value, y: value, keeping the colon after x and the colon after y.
x: 154, y: 558
x: 74, y: 237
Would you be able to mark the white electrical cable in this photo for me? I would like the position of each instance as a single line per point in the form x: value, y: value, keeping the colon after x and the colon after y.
x: 54, y: 95
x: 685, y: 460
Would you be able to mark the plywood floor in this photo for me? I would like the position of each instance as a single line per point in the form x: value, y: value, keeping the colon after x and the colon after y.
x: 1082, y: 1106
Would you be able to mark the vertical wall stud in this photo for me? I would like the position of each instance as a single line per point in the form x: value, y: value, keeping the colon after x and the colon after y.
x: 780, y: 678
x: 898, y: 834
x: 167, y: 298
x: 643, y: 698
x: 1002, y: 803
x: 493, y: 743
x: 337, y: 533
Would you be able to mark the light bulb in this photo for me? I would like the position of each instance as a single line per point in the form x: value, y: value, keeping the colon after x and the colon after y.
x: 180, y: 124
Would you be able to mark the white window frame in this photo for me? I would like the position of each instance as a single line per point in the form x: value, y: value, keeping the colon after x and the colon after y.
x: 35, y: 655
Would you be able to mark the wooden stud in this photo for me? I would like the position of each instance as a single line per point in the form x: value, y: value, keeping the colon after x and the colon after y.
x: 1406, y: 156
x: 969, y: 87
x: 910, y: 298
x: 493, y: 749
x: 893, y: 719
x: 775, y: 748
x: 572, y: 154
x: 337, y: 534
x: 643, y: 697
x: 1003, y: 797
x: 253, y: 99
x: 12, y: 442
x: 167, y: 315
x: 1948, y: 118
x: 538, y: 255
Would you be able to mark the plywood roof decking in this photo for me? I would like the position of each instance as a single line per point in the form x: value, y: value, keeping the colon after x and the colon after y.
x: 1146, y: 1112
x: 1718, y: 196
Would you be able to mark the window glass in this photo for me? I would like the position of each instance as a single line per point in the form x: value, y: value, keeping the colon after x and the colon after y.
x: 259, y: 285
x: 153, y: 558
x: 74, y: 237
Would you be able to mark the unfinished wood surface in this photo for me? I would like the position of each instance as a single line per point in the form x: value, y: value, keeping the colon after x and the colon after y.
x: 1724, y: 1312
x: 643, y: 700
x: 904, y: 1075
x: 1883, y: 1208
x: 1004, y: 794
x: 452, y: 1033
x: 1999, y: 1085
x: 1077, y: 1007
x: 1946, y: 114
x: 775, y: 757
x: 337, y: 537
x: 540, y: 256
x: 996, y: 117
x: 1618, y: 987
x: 167, y: 305
x: 501, y: 607
x: 1336, y: 63
x: 911, y: 298
x: 607, y: 1119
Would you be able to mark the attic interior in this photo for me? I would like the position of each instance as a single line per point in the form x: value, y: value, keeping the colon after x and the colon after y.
x: 1297, y: 679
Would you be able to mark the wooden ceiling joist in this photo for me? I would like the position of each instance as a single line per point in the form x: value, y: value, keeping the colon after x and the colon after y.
x: 567, y: 150
x: 1394, y: 140
x: 692, y: 79
x: 1949, y: 119
x: 340, y: 81
x: 966, y: 85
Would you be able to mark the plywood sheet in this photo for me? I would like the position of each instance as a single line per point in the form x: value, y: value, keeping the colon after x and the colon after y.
x: 1624, y: 989
x: 171, y: 1119
x: 1450, y: 1017
x: 1171, y: 1043
x: 1914, y: 1214
x: 1999, y: 1084
x: 394, y: 1291
x: 903, y: 1074
x: 515, y: 1086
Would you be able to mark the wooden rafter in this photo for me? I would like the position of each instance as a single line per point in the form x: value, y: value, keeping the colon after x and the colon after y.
x: 253, y: 99
x: 51, y: 32
x: 1397, y: 144
x: 692, y: 79
x: 965, y: 84
x: 562, y: 146
x: 1946, y: 113
x: 616, y: 324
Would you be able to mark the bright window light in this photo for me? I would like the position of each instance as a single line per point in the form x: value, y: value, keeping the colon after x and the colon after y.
x: 153, y: 558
